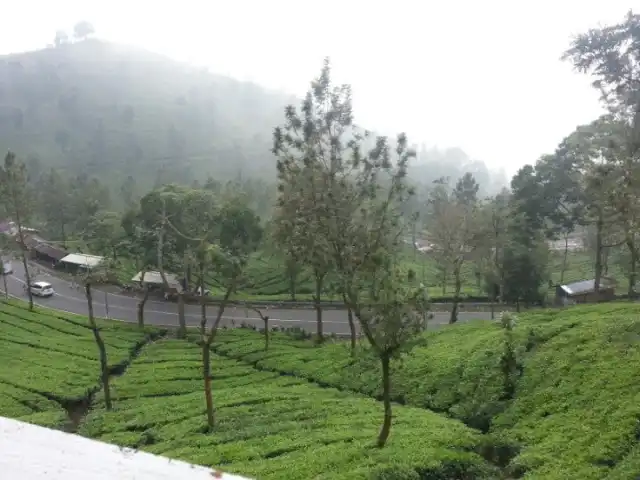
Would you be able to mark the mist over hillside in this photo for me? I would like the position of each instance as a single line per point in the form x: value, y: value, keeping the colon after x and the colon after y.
x: 114, y: 111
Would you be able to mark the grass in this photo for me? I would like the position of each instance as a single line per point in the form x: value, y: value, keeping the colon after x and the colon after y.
x: 576, y: 412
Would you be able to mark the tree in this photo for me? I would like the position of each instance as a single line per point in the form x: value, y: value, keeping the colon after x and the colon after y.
x: 91, y: 277
x: 562, y: 198
x: 610, y: 55
x: 525, y: 263
x: 4, y: 277
x: 61, y: 38
x: 17, y: 202
x: 225, y: 236
x: 287, y: 231
x: 128, y: 192
x: 366, y: 234
x: 497, y: 216
x: 312, y: 148
x: 354, y: 202
x: 105, y: 233
x: 56, y: 204
x: 454, y: 230
x: 82, y: 30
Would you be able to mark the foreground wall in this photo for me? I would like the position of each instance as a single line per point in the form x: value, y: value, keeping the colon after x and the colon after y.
x: 32, y: 452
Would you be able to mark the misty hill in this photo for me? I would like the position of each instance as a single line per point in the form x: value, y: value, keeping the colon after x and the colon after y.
x: 114, y: 111
x: 433, y: 164
x: 103, y: 107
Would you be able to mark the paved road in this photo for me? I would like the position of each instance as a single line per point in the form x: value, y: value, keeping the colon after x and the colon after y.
x: 163, y: 313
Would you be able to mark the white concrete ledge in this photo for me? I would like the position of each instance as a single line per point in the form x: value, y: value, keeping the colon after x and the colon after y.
x: 34, y: 453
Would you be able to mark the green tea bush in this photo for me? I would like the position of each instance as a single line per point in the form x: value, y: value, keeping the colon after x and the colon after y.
x: 49, y: 358
x: 273, y: 426
x: 575, y: 412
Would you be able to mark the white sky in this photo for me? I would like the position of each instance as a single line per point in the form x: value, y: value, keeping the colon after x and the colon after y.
x: 481, y: 75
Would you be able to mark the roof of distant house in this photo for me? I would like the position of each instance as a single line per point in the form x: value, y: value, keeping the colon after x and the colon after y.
x: 153, y: 277
x: 586, y: 286
x: 38, y: 453
x: 83, y: 259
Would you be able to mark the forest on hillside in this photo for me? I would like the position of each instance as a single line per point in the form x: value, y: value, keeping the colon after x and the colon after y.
x: 98, y: 109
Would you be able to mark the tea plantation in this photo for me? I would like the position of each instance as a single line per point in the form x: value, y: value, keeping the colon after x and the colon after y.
x: 49, y: 362
x: 269, y: 425
x: 576, y: 411
x: 298, y: 411
x: 273, y: 426
x: 266, y: 277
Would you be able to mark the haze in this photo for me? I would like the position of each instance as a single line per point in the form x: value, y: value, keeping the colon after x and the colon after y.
x: 483, y: 76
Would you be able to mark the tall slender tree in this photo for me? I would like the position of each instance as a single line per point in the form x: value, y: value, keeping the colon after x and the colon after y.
x: 18, y: 204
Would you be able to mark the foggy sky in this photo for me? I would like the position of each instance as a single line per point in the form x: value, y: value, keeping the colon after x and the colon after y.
x: 484, y: 76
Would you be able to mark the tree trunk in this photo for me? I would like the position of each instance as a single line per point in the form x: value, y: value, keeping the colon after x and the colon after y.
x: 318, y: 307
x: 456, y: 295
x: 104, y: 364
x: 206, y: 375
x: 182, y: 323
x: 4, y: 280
x: 492, y: 299
x: 564, y: 258
x: 385, y: 360
x: 352, y: 325
x: 633, y: 265
x: 292, y: 273
x: 25, y: 263
x: 266, y: 333
x: 141, y: 305
x: 64, y: 236
x: 599, y: 250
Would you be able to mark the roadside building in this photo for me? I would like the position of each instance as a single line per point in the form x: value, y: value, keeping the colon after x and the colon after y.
x: 75, y: 262
x: 40, y: 249
x: 584, y: 292
x: 153, y: 279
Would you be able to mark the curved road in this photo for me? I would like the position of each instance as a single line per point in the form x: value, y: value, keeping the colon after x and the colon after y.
x: 163, y: 313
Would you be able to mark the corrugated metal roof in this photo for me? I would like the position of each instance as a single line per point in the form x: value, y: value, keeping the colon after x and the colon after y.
x: 585, y: 286
x: 32, y: 452
x: 51, y: 251
x: 154, y: 277
x: 82, y: 259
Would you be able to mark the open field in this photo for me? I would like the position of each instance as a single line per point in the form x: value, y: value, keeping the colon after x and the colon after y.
x: 267, y: 278
x: 300, y: 411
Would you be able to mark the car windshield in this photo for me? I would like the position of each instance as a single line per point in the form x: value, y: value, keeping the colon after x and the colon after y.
x: 42, y: 285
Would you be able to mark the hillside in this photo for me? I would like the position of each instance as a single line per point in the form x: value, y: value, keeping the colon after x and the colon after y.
x: 104, y: 107
x: 115, y: 111
x: 575, y: 413
x: 303, y: 411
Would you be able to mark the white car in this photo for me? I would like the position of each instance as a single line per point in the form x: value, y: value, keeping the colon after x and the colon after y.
x: 42, y: 289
